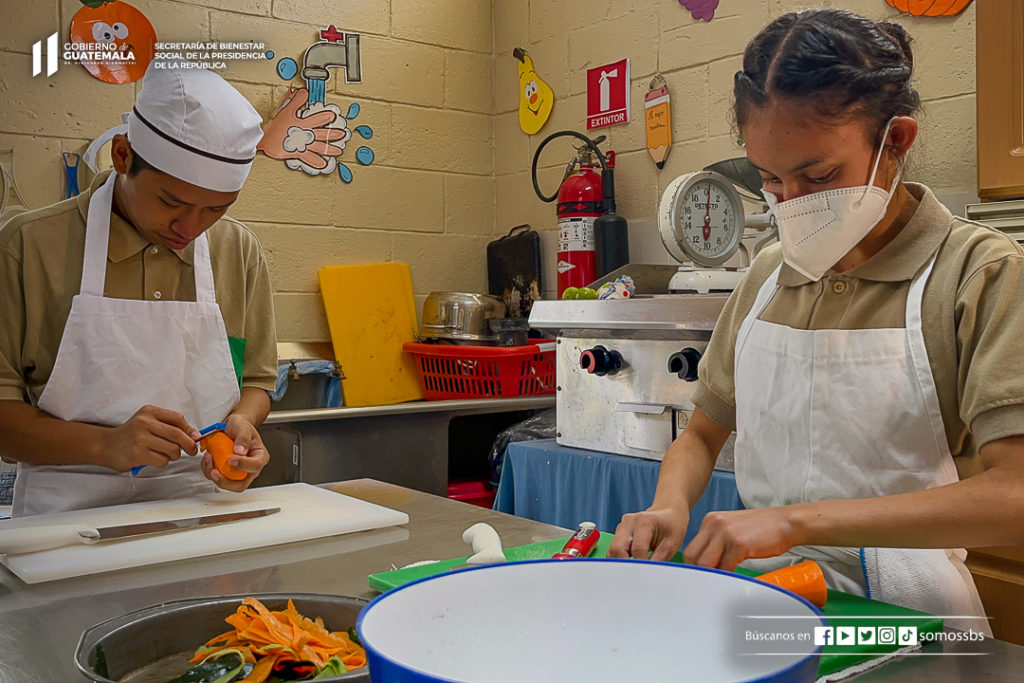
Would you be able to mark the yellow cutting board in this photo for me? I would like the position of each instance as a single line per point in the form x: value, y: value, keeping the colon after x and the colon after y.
x: 371, y: 313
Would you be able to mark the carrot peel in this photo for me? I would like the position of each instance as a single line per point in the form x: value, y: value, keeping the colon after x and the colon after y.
x: 281, y: 640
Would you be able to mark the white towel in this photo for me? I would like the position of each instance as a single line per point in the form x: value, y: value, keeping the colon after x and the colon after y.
x: 929, y: 580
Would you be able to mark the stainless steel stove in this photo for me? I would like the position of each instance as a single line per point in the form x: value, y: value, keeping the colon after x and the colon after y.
x: 626, y: 369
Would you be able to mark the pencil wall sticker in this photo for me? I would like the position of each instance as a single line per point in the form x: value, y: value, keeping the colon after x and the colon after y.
x: 659, y: 121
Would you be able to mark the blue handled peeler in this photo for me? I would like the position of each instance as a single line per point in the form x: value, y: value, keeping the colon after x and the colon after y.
x: 215, y: 427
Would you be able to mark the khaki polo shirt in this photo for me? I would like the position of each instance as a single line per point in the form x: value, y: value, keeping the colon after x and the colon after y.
x: 972, y: 316
x: 41, y: 255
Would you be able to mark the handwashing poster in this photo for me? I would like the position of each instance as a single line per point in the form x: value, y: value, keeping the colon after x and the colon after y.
x: 306, y: 132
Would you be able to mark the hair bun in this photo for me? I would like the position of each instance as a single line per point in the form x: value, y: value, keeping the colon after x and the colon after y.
x: 900, y: 37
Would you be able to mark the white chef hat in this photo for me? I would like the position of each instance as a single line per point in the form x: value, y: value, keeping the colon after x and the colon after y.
x: 192, y: 124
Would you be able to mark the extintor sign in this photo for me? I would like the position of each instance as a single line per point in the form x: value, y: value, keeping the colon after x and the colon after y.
x: 608, y: 95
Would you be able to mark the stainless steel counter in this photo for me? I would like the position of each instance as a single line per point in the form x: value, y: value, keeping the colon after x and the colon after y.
x: 470, y: 406
x: 40, y: 625
x: 406, y: 444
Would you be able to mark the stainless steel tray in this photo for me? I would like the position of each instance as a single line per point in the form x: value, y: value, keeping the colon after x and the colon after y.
x: 153, y: 644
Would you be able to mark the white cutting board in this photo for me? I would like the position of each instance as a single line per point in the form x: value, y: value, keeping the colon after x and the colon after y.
x: 307, y: 512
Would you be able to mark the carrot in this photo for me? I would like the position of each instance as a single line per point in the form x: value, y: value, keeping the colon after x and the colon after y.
x: 221, y: 446
x: 222, y: 637
x: 805, y: 579
x: 271, y: 639
x: 260, y: 672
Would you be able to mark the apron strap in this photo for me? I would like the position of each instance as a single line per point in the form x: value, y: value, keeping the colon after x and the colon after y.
x: 764, y: 295
x: 97, y: 235
x: 203, y: 271
x: 919, y: 357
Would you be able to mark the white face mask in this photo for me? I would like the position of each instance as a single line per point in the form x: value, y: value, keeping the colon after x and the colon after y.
x: 816, y: 230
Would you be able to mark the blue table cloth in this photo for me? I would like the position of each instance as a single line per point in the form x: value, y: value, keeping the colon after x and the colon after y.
x: 545, y: 482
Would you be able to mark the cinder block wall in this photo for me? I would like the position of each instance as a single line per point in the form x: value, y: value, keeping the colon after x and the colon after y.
x: 698, y: 60
x: 440, y: 92
x: 428, y: 197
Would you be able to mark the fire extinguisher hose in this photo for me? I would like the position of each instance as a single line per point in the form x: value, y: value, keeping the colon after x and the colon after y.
x: 605, y: 171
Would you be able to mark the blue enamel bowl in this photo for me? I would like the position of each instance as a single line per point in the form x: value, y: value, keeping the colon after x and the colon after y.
x: 593, y: 620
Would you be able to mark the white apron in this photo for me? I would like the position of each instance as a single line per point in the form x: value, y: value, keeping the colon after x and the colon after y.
x: 843, y: 414
x: 118, y: 355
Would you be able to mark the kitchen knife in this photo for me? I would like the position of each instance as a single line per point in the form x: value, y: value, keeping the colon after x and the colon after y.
x: 33, y: 538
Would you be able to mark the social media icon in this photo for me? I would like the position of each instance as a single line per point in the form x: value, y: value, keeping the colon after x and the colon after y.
x: 823, y: 635
x: 908, y: 635
x: 866, y: 635
x: 846, y: 635
x: 886, y: 635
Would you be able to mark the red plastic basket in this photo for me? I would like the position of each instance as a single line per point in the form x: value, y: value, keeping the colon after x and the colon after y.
x: 454, y: 372
x: 479, y: 493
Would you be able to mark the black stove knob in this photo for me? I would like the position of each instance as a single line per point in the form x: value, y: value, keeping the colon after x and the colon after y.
x: 684, y: 364
x: 600, y: 361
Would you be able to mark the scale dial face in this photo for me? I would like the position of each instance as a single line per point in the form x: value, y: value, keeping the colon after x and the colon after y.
x: 701, y: 219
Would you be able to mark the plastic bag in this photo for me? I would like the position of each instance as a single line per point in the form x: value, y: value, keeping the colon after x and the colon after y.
x: 620, y: 288
x: 332, y: 392
x: 539, y: 426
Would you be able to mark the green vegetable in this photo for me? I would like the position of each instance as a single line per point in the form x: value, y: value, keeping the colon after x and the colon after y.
x: 225, y: 667
x: 333, y: 667
x: 272, y: 647
x: 354, y: 636
x: 100, y: 667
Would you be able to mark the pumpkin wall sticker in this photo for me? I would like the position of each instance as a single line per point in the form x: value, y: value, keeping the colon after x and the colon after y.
x: 929, y: 8
x: 113, y: 40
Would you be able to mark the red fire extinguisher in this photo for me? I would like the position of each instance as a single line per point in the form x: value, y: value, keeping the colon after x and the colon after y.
x: 586, y: 211
x: 580, y: 203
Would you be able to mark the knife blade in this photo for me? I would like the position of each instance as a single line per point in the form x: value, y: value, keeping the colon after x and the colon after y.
x: 34, y: 538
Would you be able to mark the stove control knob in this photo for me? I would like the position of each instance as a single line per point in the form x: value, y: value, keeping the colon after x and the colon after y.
x: 600, y: 361
x: 684, y: 364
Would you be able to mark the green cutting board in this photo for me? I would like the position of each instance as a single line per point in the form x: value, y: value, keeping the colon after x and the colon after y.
x: 842, y: 609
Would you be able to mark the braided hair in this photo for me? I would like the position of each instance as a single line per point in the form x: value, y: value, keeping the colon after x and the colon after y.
x: 842, y: 63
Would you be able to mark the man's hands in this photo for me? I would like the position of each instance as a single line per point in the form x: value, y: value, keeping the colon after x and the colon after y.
x: 250, y: 455
x: 152, y: 436
x: 157, y: 436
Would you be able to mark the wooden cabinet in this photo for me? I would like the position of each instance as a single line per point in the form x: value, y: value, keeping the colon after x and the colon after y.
x: 999, y: 575
x: 1000, y: 98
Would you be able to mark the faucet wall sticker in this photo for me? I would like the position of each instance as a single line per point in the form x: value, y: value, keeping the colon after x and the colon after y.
x: 308, y: 133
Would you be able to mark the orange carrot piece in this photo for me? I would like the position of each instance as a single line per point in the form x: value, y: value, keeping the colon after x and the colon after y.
x: 353, y: 661
x: 221, y: 446
x: 275, y: 627
x: 221, y: 638
x: 805, y: 579
x: 260, y: 672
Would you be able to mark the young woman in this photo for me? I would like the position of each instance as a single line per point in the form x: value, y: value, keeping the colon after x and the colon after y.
x: 870, y: 363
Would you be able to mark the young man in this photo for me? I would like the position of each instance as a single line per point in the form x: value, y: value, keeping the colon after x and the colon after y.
x: 137, y: 313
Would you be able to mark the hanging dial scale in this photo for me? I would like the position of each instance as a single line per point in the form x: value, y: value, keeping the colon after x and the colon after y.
x: 701, y: 221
